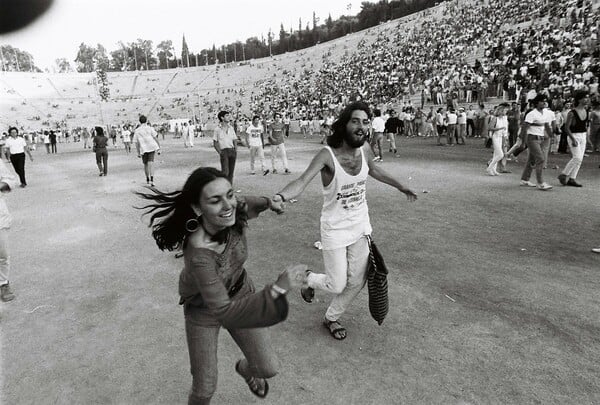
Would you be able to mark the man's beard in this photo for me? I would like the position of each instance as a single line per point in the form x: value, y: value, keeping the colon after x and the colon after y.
x: 353, y: 142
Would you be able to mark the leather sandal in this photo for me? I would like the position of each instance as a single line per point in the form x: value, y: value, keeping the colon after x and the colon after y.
x: 252, y: 383
x: 335, y: 329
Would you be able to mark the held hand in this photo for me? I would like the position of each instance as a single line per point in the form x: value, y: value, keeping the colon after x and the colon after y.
x: 574, y: 143
x: 410, y: 195
x: 277, y: 205
x: 294, y: 276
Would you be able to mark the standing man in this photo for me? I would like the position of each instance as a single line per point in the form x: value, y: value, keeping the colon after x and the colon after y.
x: 537, y: 138
x: 513, y: 117
x: 452, y: 120
x: 16, y: 147
x: 378, y: 126
x: 86, y: 137
x: 146, y: 143
x: 392, y: 127
x: 7, y: 183
x: 224, y: 140
x: 53, y: 141
x: 276, y: 136
x: 188, y: 135
x: 344, y: 166
x: 461, y: 126
x: 254, y: 141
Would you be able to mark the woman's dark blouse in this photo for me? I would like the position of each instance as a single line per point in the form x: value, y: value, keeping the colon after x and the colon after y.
x: 207, y: 277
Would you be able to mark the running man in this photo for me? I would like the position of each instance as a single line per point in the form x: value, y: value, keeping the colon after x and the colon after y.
x: 344, y: 166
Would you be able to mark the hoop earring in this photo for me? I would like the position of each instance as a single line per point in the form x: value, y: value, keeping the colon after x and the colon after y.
x: 192, y: 225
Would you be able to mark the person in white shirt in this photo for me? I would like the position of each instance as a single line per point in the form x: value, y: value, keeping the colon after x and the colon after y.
x: 188, y: 135
x: 126, y: 135
x: 146, y: 143
x: 498, y: 132
x: 254, y: 141
x: 344, y: 166
x: 224, y: 142
x: 7, y: 183
x: 378, y: 126
x: 451, y: 119
x: 538, y: 132
x: 461, y: 123
x: 16, y: 148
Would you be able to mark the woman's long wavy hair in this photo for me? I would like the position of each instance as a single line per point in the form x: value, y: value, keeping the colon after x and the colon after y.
x: 170, y: 211
x: 338, y: 128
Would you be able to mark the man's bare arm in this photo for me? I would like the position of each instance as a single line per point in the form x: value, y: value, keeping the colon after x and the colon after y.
x: 294, y: 188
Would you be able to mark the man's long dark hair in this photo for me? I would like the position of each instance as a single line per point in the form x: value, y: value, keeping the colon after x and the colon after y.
x: 338, y: 128
x: 170, y: 211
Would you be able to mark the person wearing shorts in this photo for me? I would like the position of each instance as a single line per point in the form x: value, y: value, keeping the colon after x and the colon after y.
x: 146, y: 143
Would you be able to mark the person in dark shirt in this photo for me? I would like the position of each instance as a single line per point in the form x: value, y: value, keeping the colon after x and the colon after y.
x: 208, y: 222
x: 53, y: 141
x: 99, y: 142
x: 392, y: 127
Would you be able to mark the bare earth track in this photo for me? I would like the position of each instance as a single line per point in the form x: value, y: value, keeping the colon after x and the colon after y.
x: 494, y: 290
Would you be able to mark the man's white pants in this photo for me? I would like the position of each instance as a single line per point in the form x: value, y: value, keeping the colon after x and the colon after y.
x: 279, y: 150
x: 577, y: 152
x: 4, y: 257
x: 345, y: 275
x: 257, y: 151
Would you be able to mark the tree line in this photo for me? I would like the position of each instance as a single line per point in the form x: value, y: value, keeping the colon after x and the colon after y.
x: 143, y: 55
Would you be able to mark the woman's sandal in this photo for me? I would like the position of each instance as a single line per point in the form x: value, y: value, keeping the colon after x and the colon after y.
x: 252, y: 383
x: 335, y: 329
x: 307, y: 293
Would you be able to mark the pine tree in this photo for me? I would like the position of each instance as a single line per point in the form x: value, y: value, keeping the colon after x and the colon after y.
x: 185, y: 53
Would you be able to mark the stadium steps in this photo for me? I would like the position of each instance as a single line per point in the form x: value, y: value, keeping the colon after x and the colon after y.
x: 54, y: 87
x: 135, y: 79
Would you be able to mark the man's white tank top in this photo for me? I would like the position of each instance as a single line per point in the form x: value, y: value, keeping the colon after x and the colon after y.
x: 345, y: 214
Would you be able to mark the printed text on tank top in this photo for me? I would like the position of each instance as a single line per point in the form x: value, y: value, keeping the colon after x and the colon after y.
x: 352, y: 165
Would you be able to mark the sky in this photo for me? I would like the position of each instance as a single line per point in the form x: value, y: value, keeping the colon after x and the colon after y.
x: 68, y: 23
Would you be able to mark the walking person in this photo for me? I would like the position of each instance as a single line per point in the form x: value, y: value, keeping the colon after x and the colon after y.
x: 16, y: 147
x: 537, y: 138
x: 392, y: 128
x: 344, y: 166
x: 595, y: 126
x: 209, y: 223
x: 188, y: 135
x: 378, y: 126
x: 99, y: 143
x: 85, y: 134
x: 576, y: 128
x: 126, y: 135
x: 146, y: 144
x: 224, y: 142
x: 254, y: 141
x: 7, y: 183
x: 498, y: 133
x: 276, y: 139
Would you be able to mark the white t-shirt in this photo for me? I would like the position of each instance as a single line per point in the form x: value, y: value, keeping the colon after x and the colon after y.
x: 462, y: 118
x: 254, y: 134
x: 536, y: 117
x: 126, y: 136
x: 452, y: 118
x: 378, y: 124
x: 15, y: 145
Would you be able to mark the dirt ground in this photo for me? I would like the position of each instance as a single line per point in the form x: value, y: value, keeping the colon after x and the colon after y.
x: 495, y: 295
